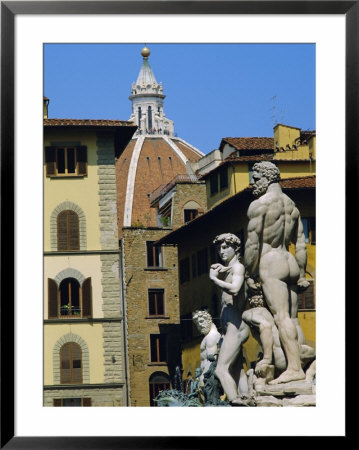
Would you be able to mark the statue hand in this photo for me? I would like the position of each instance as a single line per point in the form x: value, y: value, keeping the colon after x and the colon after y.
x: 214, y: 271
x: 253, y: 285
x: 303, y: 283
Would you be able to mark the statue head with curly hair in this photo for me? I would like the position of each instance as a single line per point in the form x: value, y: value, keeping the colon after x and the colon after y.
x: 203, y: 320
x: 264, y: 174
x: 230, y: 239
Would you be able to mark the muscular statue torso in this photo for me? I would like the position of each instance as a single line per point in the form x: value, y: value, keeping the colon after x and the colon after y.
x: 280, y: 219
x: 274, y: 218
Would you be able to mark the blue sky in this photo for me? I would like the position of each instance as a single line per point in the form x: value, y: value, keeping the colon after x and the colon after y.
x: 212, y: 90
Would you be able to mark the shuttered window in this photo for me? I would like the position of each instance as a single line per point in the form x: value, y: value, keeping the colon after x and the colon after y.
x: 70, y: 364
x: 50, y: 160
x: 53, y: 300
x: 66, y: 161
x: 70, y: 297
x: 68, y: 231
x: 223, y: 177
x: 72, y: 401
x: 86, y: 298
x: 69, y: 300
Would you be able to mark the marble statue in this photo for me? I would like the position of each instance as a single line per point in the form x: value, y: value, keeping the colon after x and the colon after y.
x: 263, y: 328
x: 208, y: 347
x: 229, y: 277
x: 275, y: 223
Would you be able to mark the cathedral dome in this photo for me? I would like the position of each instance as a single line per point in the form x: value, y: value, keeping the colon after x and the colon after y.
x: 147, y: 163
x: 154, y: 157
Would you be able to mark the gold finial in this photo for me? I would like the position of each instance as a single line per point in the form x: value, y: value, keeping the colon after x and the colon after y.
x: 145, y: 52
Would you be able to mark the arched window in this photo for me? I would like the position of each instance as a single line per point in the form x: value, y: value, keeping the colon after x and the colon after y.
x: 149, y: 118
x: 68, y: 231
x: 70, y: 364
x: 159, y: 381
x: 69, y: 299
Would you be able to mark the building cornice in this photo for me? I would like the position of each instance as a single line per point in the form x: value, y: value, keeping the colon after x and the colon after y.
x: 82, y: 386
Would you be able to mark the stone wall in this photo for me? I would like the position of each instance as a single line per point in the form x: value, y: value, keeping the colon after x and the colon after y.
x: 100, y: 396
x: 113, y: 343
x: 137, y: 280
x: 186, y: 192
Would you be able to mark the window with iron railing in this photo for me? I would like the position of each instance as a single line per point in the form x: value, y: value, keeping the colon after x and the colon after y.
x: 69, y: 299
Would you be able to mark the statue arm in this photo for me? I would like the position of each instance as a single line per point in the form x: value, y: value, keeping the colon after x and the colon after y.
x: 211, y: 344
x: 233, y: 287
x: 301, y: 253
x: 256, y: 214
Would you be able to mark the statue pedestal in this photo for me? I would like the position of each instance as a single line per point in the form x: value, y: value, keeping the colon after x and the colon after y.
x: 295, y: 393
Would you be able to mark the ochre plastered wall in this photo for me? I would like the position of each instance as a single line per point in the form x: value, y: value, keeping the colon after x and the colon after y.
x: 82, y: 191
x: 90, y: 333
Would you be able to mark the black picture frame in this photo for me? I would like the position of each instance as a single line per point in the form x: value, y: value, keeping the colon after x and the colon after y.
x: 9, y: 9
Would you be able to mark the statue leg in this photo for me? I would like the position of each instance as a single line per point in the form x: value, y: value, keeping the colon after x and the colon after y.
x: 262, y: 319
x: 277, y: 297
x: 227, y: 356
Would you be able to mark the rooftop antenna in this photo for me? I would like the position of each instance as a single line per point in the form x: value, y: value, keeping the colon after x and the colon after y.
x: 274, y: 110
x: 282, y: 115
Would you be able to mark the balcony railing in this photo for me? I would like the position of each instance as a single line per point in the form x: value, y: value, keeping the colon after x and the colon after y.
x: 70, y: 311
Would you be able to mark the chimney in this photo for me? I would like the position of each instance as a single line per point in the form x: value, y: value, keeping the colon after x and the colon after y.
x: 46, y: 107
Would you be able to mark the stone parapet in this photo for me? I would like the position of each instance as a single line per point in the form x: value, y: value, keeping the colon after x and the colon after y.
x: 100, y: 396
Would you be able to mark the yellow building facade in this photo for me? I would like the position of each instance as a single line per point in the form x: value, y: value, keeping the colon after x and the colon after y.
x: 84, y: 339
x: 293, y: 151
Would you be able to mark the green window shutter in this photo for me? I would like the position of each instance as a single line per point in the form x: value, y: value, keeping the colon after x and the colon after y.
x: 87, y: 298
x: 52, y: 299
x: 50, y: 160
x: 82, y: 160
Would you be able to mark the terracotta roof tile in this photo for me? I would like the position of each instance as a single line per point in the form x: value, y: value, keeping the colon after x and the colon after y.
x: 86, y: 123
x: 306, y: 135
x: 298, y: 182
x: 250, y: 143
x: 248, y: 158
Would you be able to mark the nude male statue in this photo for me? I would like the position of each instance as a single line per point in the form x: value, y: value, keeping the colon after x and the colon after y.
x: 274, y: 223
x: 230, y: 278
x: 208, y: 346
x: 263, y: 328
